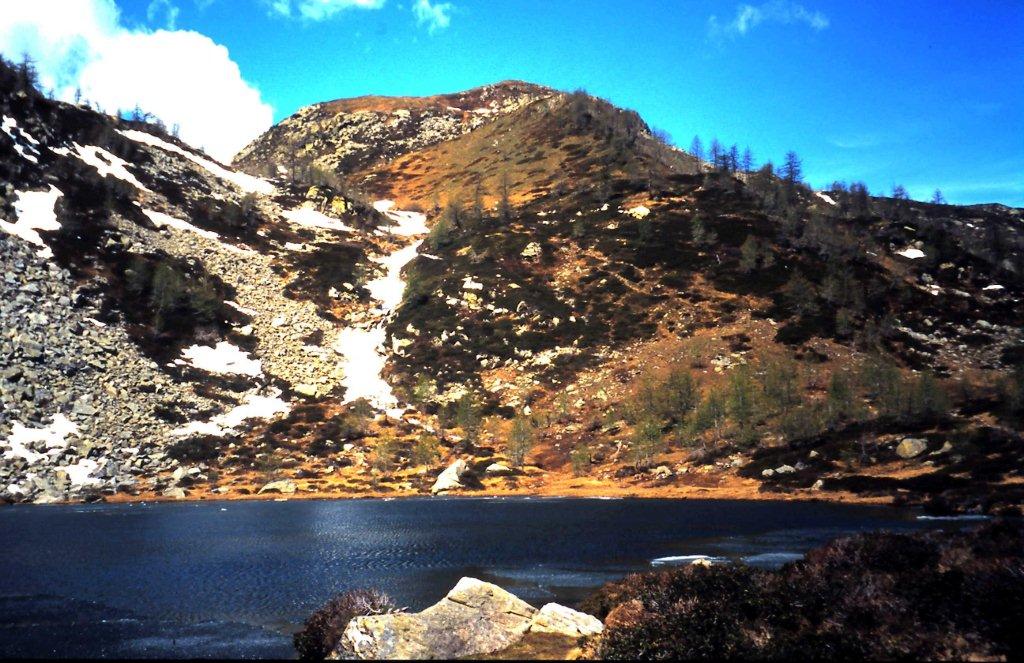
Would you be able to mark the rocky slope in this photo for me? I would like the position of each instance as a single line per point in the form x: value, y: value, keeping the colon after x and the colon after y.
x: 592, y: 312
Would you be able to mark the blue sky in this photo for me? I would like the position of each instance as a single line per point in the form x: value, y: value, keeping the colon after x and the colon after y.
x: 923, y: 94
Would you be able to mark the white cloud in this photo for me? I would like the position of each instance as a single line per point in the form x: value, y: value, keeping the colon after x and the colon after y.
x: 749, y: 17
x: 318, y: 10
x: 180, y: 76
x: 436, y: 16
x: 169, y: 9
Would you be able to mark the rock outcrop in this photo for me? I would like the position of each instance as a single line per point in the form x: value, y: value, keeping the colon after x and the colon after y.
x: 475, y: 618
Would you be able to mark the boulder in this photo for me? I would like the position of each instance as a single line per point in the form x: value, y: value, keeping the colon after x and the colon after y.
x: 910, y: 447
x: 555, y: 618
x: 662, y: 472
x: 175, y: 492
x: 475, y: 618
x: 451, y: 478
x: 498, y: 470
x: 284, y: 486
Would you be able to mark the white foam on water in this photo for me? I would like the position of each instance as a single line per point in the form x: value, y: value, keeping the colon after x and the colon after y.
x: 682, y: 560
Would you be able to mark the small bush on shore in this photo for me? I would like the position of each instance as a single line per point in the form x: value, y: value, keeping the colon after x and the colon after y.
x: 937, y: 595
x: 322, y: 631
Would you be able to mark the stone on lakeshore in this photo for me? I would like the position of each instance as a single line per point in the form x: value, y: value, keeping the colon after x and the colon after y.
x: 451, y: 478
x: 555, y: 618
x: 284, y: 487
x: 475, y: 618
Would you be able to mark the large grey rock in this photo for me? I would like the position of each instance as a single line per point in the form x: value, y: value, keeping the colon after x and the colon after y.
x: 451, y: 478
x: 911, y: 447
x: 475, y: 618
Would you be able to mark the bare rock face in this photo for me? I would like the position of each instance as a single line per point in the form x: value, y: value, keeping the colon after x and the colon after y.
x: 475, y: 618
x: 451, y: 478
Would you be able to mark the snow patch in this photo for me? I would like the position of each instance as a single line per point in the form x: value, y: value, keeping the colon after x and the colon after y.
x: 104, y: 162
x: 28, y: 152
x: 224, y: 358
x: 80, y: 474
x: 246, y: 183
x: 825, y: 197
x: 364, y: 363
x: 911, y: 253
x: 253, y: 407
x: 406, y: 223
x: 53, y: 436
x: 388, y: 289
x: 362, y: 348
x: 161, y: 220
x: 994, y: 286
x: 309, y: 217
x: 34, y: 211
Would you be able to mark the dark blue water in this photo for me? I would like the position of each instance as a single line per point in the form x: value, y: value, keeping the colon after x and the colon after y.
x: 236, y: 578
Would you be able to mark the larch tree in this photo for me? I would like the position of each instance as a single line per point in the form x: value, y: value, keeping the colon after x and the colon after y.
x: 697, y: 148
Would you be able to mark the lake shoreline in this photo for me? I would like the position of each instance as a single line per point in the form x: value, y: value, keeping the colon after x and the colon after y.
x: 611, y: 493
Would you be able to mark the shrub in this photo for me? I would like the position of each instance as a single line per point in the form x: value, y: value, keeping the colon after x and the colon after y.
x: 321, y: 633
x: 742, y: 397
x: 468, y: 416
x: 196, y: 449
x: 645, y: 443
x: 1011, y: 396
x: 710, y: 413
x: 841, y: 400
x: 802, y: 422
x: 936, y: 595
x: 520, y: 440
x: 425, y: 451
x: 580, y: 460
x: 781, y: 384
x: 383, y: 458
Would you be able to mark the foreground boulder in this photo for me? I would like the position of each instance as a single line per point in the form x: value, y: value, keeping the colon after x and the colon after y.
x: 475, y: 618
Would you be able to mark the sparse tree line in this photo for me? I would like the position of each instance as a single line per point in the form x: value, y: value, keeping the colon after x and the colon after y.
x: 770, y: 398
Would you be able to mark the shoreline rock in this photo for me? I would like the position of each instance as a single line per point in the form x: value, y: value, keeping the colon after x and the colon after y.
x: 473, y: 619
